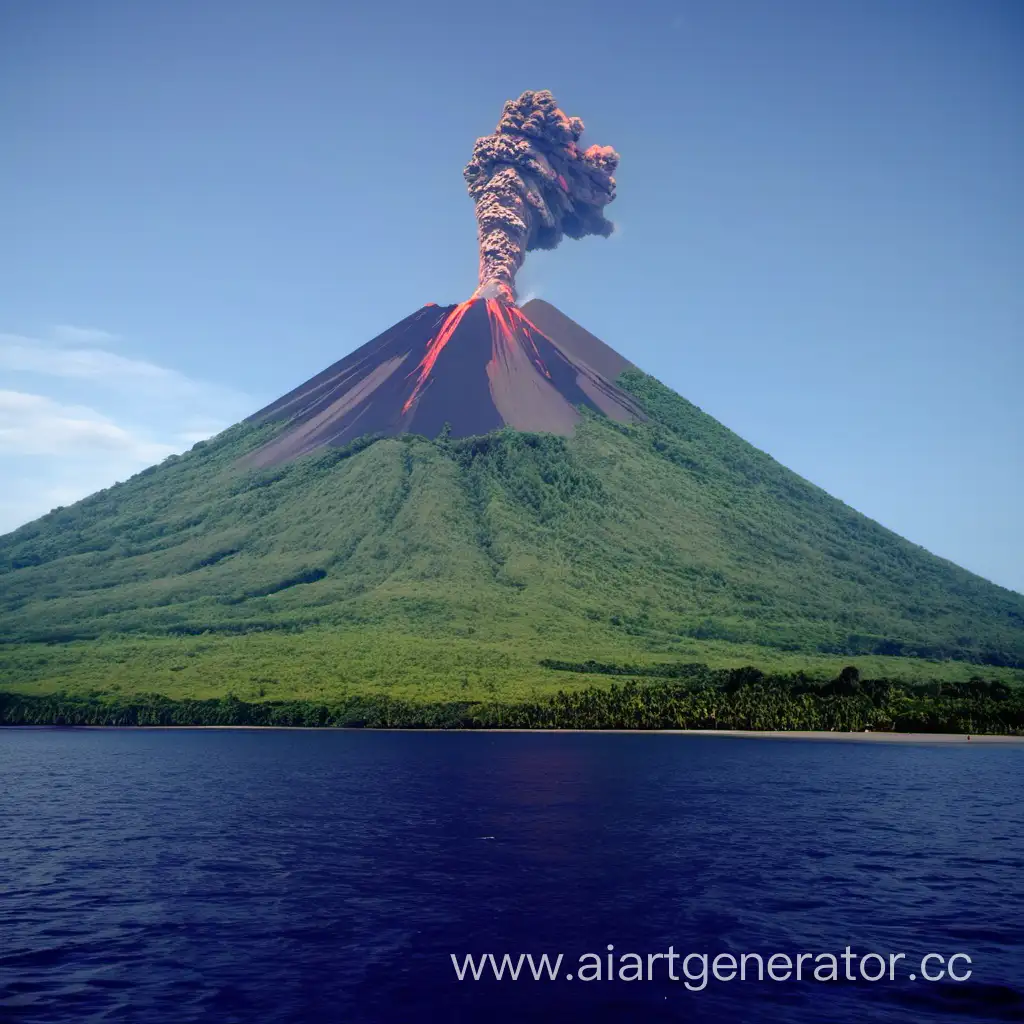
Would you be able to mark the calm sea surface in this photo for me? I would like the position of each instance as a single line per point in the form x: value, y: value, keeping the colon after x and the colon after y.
x: 272, y: 876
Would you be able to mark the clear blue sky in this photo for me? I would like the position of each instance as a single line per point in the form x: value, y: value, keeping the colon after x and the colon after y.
x: 820, y: 202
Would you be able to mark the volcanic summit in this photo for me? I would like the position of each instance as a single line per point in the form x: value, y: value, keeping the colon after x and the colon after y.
x: 466, y: 369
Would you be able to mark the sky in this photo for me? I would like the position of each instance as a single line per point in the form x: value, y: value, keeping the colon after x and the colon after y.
x: 820, y: 224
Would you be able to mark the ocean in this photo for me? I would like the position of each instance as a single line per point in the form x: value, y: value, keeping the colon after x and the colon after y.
x: 264, y: 876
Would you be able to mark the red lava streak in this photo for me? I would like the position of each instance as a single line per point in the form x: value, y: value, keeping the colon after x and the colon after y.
x: 510, y: 325
x: 434, y: 347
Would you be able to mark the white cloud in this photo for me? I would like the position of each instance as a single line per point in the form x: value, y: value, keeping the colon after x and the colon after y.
x: 75, y: 418
x: 69, y: 334
x: 52, y: 453
x: 105, y: 369
x: 20, y: 355
x: 37, y: 425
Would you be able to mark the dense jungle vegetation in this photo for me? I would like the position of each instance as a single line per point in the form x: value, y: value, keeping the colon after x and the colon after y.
x: 449, y: 570
x: 695, y: 698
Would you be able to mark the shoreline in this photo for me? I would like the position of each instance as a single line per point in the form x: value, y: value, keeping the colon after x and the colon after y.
x: 816, y: 736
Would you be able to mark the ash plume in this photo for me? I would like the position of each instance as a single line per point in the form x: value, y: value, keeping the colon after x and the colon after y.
x: 532, y: 186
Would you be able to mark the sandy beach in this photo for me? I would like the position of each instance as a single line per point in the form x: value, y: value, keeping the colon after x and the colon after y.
x: 868, y: 737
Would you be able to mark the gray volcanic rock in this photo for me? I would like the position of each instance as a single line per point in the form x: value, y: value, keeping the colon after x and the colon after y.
x: 577, y: 342
x: 472, y: 367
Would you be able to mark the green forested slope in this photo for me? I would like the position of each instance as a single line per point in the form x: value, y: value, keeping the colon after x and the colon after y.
x: 454, y: 567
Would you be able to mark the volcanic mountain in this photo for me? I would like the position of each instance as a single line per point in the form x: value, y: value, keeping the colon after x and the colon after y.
x: 465, y: 369
x: 479, y: 492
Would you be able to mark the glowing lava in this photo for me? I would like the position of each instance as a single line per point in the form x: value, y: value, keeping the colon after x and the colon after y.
x: 434, y: 347
x: 509, y: 325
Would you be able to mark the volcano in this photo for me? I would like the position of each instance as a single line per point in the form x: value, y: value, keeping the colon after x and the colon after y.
x: 464, y: 369
x: 477, y: 494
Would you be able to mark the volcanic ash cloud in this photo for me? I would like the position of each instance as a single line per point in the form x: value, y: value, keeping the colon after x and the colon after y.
x: 533, y: 185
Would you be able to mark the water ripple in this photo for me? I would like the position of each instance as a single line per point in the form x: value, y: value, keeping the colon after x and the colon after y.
x: 206, y: 876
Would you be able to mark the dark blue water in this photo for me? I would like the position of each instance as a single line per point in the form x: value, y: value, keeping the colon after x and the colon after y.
x: 327, y: 876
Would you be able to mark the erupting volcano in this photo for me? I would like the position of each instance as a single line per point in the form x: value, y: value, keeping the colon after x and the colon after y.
x: 466, y: 570
x: 483, y: 363
x: 431, y: 566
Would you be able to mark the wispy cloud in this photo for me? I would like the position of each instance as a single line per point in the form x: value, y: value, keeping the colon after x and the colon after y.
x: 108, y: 370
x: 75, y: 417
x: 53, y: 453
x: 37, y: 425
x: 69, y: 334
x: 24, y: 355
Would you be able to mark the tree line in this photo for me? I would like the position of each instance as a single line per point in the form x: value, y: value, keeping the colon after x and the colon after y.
x: 698, y: 698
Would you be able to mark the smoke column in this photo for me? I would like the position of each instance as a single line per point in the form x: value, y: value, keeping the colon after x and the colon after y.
x: 532, y: 186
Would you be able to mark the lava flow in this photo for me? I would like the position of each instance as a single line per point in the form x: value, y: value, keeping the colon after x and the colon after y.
x: 434, y: 347
x: 509, y: 325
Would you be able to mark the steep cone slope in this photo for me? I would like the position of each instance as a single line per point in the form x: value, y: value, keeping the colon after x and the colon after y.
x: 452, y: 566
x: 575, y: 341
x: 468, y: 369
